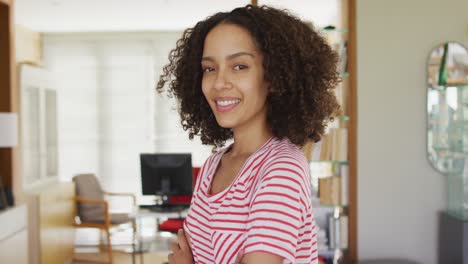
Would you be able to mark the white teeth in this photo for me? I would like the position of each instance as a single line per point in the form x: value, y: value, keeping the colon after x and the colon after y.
x: 227, y: 102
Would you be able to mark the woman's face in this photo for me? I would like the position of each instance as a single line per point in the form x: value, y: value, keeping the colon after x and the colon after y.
x: 233, y: 81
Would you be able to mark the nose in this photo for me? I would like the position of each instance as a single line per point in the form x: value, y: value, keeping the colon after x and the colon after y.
x: 222, y: 81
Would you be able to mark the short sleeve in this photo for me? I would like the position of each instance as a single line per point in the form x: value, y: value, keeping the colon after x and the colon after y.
x: 277, y: 212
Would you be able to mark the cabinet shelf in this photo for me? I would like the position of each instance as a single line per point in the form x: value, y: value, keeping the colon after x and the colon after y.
x: 450, y: 151
x: 332, y: 29
x: 457, y: 82
x: 330, y: 161
x: 463, y: 216
x: 343, y: 118
x: 333, y: 206
x: 450, y: 83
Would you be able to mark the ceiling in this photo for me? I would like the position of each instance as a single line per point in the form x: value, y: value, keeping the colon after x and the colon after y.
x: 146, y: 15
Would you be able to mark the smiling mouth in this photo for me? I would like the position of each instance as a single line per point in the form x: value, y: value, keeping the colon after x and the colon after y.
x: 226, y: 105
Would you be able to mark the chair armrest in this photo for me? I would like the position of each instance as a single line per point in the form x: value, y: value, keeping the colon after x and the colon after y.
x: 82, y: 199
x: 133, y: 196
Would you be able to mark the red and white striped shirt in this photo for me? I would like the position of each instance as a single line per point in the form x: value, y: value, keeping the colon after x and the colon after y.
x: 267, y: 208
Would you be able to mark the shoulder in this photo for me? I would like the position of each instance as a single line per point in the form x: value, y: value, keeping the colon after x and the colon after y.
x: 284, y: 165
x: 285, y: 154
x: 215, y: 156
x: 211, y: 162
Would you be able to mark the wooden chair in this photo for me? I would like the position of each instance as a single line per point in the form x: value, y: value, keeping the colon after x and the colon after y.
x: 93, y: 210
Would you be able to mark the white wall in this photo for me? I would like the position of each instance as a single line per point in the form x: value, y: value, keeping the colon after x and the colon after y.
x: 146, y: 15
x: 115, y: 15
x: 109, y: 111
x: 105, y: 87
x: 399, y: 194
x: 76, y: 105
x: 169, y: 135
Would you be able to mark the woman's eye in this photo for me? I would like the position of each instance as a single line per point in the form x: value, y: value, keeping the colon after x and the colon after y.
x: 208, y: 69
x: 240, y: 67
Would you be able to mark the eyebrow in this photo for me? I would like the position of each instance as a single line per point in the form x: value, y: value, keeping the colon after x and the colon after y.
x: 230, y: 57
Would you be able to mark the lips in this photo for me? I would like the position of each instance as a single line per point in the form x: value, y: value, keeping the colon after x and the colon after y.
x: 226, y: 104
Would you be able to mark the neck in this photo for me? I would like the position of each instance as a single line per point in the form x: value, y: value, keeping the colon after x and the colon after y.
x: 247, y: 141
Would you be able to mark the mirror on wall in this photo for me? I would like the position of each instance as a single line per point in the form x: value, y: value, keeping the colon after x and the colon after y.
x: 447, y: 108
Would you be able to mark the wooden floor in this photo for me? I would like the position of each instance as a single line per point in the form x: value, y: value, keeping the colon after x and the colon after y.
x: 156, y: 246
x: 123, y: 258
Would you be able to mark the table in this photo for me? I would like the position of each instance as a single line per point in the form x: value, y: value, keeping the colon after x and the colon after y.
x: 140, y: 213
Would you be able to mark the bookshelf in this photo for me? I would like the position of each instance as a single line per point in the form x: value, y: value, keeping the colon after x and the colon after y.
x: 334, y: 167
x: 341, y: 158
x: 8, y: 93
x: 333, y: 160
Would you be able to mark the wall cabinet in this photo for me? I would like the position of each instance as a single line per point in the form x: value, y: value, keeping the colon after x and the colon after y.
x: 8, y: 95
x: 14, y: 235
x: 13, y: 221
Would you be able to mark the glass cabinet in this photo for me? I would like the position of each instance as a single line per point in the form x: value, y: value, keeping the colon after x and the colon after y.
x: 447, y: 126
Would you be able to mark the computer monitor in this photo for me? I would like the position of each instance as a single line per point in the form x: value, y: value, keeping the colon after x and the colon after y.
x: 166, y: 174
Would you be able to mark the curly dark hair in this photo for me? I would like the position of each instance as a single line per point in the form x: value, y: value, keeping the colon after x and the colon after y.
x: 299, y: 66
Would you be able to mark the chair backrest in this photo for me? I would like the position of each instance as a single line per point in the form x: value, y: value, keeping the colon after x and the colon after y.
x: 195, y: 172
x: 87, y: 185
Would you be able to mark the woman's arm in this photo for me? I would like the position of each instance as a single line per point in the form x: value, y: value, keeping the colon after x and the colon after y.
x: 260, y: 258
x: 181, y: 251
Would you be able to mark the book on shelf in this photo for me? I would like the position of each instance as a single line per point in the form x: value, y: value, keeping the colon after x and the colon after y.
x: 343, y: 86
x: 346, y: 101
x: 331, y: 231
x: 333, y: 146
x: 343, y: 231
x: 339, y: 94
x: 343, y: 54
x: 344, y: 177
x: 334, y: 232
x: 329, y: 190
x: 337, y: 231
x: 339, y: 144
x: 332, y: 181
x: 325, y: 148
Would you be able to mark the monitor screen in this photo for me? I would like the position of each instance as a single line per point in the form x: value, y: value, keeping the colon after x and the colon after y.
x: 166, y: 174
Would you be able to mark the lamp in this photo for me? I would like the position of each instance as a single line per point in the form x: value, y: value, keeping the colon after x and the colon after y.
x: 8, y: 139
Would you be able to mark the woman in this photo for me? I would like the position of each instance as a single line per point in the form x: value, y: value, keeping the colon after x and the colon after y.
x: 263, y: 78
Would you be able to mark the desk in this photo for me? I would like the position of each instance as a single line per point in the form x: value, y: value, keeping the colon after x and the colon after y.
x: 164, y: 210
x: 139, y: 214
